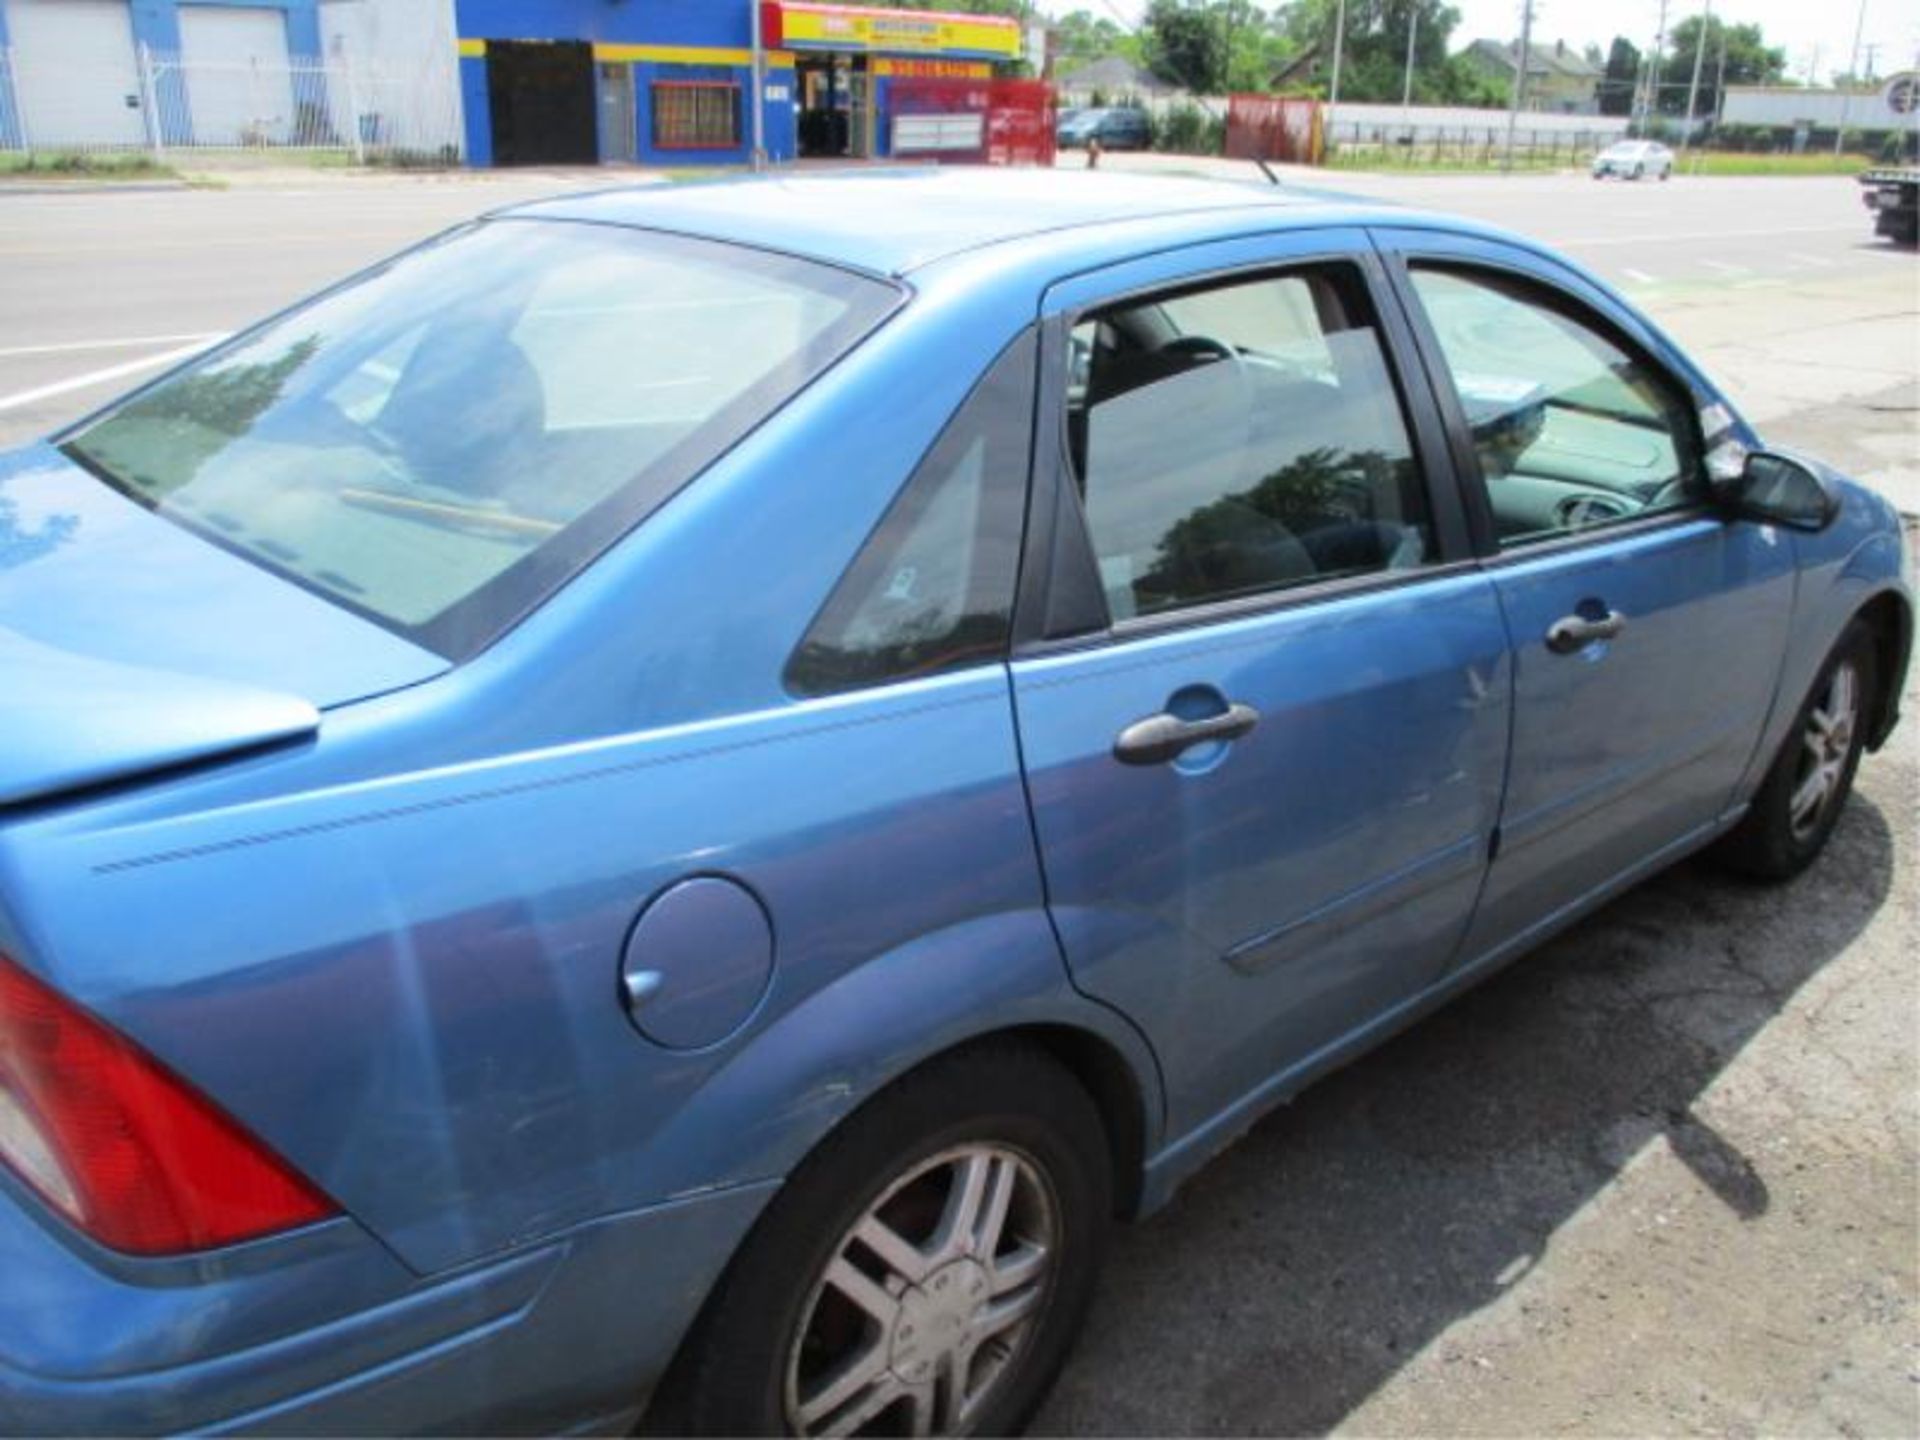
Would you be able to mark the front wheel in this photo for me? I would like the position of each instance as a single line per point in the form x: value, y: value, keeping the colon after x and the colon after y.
x: 923, y: 1272
x: 1800, y: 800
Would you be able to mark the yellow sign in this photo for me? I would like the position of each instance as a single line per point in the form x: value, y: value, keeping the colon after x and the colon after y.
x: 937, y: 69
x: 909, y: 32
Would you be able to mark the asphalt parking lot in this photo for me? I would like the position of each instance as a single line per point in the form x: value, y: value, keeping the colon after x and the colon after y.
x: 1661, y: 1176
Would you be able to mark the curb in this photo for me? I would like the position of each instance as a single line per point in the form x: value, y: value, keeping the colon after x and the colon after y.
x: 93, y: 187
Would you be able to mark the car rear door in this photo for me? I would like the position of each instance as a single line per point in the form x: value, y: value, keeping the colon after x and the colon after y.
x: 1261, y: 685
x: 1647, y: 627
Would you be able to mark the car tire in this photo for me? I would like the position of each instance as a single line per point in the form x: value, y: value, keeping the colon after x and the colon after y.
x: 1635, y: 173
x: 1666, y: 174
x: 1807, y: 785
x: 857, y: 1268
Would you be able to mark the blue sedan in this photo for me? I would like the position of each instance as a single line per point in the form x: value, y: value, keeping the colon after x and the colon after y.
x: 661, y: 807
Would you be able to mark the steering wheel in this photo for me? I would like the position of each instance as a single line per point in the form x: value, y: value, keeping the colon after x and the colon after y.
x: 1206, y: 345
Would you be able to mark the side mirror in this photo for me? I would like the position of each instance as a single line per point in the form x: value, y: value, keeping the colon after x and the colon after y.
x: 1780, y: 490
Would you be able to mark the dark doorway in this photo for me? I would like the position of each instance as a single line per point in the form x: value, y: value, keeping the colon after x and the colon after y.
x: 541, y: 96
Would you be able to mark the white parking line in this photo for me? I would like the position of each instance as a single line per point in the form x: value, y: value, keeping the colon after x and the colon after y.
x: 1725, y: 269
x: 1821, y: 261
x: 130, y: 344
x: 1639, y: 277
x: 97, y: 377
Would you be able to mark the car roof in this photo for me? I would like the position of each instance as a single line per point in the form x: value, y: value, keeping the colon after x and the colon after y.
x: 890, y: 221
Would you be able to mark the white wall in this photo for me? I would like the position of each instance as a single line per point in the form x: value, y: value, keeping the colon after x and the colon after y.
x: 1771, y: 105
x: 1428, y: 120
x: 405, y: 67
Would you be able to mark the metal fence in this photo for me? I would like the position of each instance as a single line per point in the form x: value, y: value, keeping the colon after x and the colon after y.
x: 1471, y: 146
x: 1272, y: 127
x: 160, y: 103
x: 977, y: 122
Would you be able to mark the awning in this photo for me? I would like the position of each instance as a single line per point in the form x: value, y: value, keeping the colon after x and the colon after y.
x: 794, y: 25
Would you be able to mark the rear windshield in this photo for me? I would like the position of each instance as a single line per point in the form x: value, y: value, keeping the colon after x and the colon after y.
x: 439, y: 444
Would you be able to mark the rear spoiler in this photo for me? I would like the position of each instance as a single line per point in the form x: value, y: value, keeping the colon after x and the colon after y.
x: 69, y: 722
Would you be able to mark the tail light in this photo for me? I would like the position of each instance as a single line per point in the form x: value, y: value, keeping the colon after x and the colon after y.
x: 124, y: 1149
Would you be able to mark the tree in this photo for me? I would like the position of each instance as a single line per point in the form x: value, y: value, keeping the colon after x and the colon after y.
x: 1374, y: 49
x: 1082, y: 36
x: 1750, y: 61
x: 1190, y: 42
x: 1621, y: 79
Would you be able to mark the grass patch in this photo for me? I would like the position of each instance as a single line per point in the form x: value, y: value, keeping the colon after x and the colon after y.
x: 83, y: 167
x: 1726, y: 162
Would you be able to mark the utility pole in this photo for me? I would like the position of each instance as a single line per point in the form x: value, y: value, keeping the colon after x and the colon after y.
x: 757, y: 108
x: 1720, y: 79
x: 1651, y: 106
x: 1518, y: 94
x: 1339, y: 36
x: 1853, y: 78
x: 1693, y: 88
x: 1413, y: 29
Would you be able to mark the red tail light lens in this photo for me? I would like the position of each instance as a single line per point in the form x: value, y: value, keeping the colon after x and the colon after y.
x: 122, y: 1148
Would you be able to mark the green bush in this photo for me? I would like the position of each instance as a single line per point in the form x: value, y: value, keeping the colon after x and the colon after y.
x: 1186, y: 129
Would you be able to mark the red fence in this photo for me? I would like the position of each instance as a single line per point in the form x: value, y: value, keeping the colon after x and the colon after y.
x: 1273, y: 127
x: 971, y: 122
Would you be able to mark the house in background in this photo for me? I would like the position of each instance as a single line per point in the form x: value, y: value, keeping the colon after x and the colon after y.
x: 1560, y: 79
x: 1115, y: 78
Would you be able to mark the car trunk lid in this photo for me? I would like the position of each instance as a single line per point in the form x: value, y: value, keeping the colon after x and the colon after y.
x: 129, y: 644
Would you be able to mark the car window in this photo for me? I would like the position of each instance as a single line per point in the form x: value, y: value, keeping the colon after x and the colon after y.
x: 440, y: 443
x: 1239, y: 438
x: 1572, y: 431
x: 932, y: 588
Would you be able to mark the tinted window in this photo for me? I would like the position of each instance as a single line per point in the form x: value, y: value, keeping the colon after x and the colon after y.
x: 1241, y: 438
x: 1571, y: 429
x: 932, y: 589
x: 441, y: 443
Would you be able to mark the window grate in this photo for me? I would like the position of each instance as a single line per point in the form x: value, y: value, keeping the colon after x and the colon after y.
x: 695, y: 115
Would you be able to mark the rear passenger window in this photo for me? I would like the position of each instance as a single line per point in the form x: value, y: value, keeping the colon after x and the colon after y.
x: 932, y: 589
x: 1235, y: 439
x: 1572, y: 431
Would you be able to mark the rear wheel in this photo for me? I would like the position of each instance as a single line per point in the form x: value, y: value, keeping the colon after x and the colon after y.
x: 923, y: 1272
x: 1800, y: 800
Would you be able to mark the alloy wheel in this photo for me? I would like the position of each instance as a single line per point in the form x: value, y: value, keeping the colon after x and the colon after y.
x: 928, y: 1300
x: 1826, y: 743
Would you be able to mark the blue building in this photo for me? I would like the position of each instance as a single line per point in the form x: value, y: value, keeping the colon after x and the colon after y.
x: 670, y: 82
x: 107, y: 73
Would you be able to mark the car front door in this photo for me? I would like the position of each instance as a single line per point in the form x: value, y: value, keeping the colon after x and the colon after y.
x: 1261, y: 685
x: 1647, y: 628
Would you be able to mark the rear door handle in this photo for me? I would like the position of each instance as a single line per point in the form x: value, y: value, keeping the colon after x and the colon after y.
x: 1163, y: 737
x: 1575, y: 632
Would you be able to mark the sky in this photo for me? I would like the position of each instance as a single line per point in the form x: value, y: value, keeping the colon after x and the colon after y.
x: 1818, y: 35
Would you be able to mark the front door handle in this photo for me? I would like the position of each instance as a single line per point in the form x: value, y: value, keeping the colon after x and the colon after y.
x: 1163, y: 737
x: 1575, y: 632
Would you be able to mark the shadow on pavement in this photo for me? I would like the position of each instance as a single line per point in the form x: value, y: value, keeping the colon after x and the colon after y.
x: 1294, y: 1276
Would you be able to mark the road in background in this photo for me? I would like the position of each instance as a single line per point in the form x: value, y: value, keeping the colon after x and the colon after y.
x: 1777, y: 285
x: 1660, y: 1176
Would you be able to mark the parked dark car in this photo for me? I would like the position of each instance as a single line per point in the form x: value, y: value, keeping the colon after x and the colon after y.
x: 665, y: 805
x: 1115, y: 127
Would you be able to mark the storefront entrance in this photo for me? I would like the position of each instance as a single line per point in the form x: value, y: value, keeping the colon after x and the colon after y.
x: 835, y: 102
x: 540, y: 96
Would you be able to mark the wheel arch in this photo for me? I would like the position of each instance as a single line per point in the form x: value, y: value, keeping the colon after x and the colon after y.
x: 1107, y: 1068
x: 1890, y: 617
